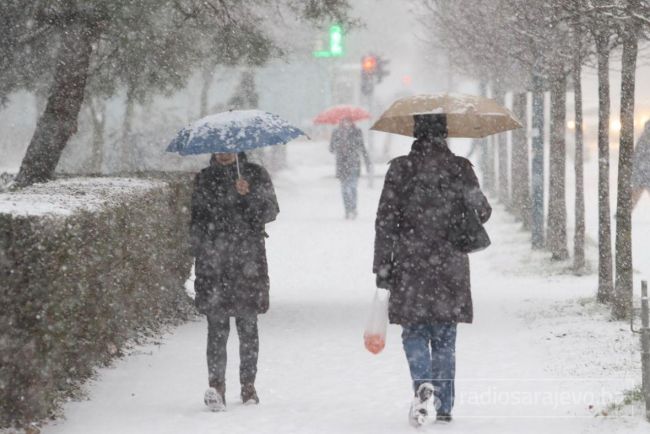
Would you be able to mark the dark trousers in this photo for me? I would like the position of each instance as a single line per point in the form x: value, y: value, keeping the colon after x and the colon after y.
x: 218, y: 331
x: 431, y: 353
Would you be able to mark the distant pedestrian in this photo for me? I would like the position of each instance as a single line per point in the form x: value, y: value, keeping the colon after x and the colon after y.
x: 229, y: 212
x: 417, y: 260
x: 641, y: 175
x: 347, y: 145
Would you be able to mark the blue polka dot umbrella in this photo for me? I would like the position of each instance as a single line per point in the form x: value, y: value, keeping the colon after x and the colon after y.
x: 233, y: 131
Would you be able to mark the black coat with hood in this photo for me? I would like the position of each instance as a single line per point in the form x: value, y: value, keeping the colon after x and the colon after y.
x: 428, y: 278
x: 228, y: 239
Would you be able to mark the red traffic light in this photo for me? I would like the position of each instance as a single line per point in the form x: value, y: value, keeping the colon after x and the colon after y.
x: 369, y: 64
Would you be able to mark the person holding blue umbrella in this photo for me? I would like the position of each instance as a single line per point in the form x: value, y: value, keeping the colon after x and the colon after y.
x: 232, y: 202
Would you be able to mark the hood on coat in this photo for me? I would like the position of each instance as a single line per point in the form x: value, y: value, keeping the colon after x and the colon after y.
x: 430, y: 126
x: 430, y: 131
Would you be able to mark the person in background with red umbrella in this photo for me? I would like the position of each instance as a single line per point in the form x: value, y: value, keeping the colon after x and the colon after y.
x: 348, y: 147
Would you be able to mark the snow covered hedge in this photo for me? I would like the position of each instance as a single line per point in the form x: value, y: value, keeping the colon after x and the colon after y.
x: 85, y: 265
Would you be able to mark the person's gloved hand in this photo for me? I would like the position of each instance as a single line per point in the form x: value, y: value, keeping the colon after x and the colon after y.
x: 242, y: 186
x: 384, y: 277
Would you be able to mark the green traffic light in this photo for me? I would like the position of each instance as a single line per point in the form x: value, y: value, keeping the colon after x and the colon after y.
x: 336, y: 40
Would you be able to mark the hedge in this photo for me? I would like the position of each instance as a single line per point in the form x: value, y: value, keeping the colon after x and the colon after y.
x: 74, y: 289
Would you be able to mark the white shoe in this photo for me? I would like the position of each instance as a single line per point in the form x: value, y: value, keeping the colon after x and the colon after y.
x: 422, y: 409
x: 213, y: 400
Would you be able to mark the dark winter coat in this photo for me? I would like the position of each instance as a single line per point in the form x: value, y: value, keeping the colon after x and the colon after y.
x: 228, y: 238
x: 641, y: 177
x: 429, y: 279
x: 347, y: 146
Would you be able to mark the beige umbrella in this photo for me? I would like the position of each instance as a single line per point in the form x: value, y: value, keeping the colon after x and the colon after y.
x: 467, y: 115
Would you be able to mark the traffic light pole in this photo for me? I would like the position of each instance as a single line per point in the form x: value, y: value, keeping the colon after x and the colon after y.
x: 368, y: 76
x: 373, y: 70
x: 369, y: 99
x: 371, y: 144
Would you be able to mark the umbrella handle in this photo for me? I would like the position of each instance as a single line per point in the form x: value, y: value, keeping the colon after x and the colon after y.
x: 237, y: 161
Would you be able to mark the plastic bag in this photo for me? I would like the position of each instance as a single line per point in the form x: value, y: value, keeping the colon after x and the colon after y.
x: 374, y: 336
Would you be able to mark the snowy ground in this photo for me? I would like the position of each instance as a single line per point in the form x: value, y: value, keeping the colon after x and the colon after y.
x: 540, y: 357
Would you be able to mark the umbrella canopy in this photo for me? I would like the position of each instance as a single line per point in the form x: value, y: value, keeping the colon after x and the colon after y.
x: 333, y: 115
x: 233, y: 131
x: 467, y: 115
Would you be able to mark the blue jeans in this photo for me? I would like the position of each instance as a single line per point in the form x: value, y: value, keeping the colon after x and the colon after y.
x: 349, y: 190
x: 431, y: 353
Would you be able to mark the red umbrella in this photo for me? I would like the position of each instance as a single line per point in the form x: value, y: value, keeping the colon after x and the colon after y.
x: 333, y: 115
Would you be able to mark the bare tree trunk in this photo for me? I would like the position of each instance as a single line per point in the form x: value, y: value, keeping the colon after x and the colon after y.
x: 557, y: 221
x: 579, y: 215
x: 450, y: 70
x: 537, y: 165
x: 622, y: 307
x: 502, y: 155
x: 491, y: 183
x: 126, y: 154
x: 98, y: 119
x: 605, y: 279
x: 490, y: 167
x: 207, y: 74
x: 484, y: 149
x: 520, y: 162
x: 40, y: 100
x: 59, y: 119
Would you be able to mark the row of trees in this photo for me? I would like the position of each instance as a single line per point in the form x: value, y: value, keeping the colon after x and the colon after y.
x: 536, y: 47
x: 75, y: 52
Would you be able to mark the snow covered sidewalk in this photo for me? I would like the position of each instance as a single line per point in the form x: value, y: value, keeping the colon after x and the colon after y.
x: 531, y: 362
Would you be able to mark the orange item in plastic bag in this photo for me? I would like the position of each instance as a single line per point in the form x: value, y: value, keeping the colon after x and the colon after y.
x: 374, y: 342
x: 374, y: 336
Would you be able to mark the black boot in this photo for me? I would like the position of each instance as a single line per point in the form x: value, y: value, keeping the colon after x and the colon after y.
x: 248, y: 394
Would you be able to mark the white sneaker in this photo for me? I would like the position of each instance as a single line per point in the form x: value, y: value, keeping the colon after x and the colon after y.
x: 213, y: 400
x: 422, y: 409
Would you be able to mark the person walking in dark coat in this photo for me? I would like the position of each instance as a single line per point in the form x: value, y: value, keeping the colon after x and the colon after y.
x: 641, y: 174
x: 427, y: 276
x: 347, y: 145
x: 229, y: 212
